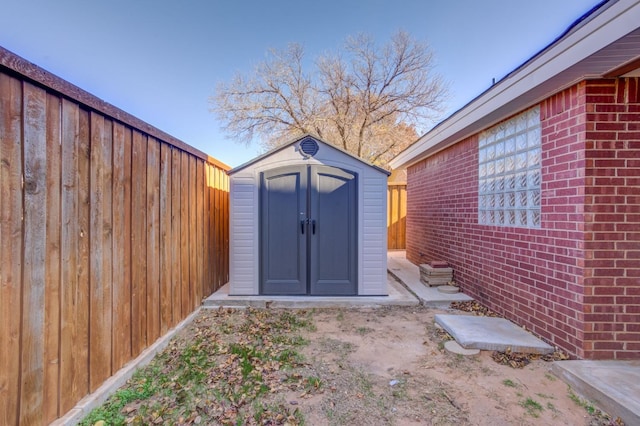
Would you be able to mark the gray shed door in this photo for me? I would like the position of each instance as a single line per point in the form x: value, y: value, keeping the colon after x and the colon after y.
x: 308, y: 231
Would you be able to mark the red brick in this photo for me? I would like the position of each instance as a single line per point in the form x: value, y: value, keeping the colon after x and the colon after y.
x: 608, y: 327
x: 629, y: 135
x: 607, y: 108
x: 627, y: 318
x: 633, y: 118
x: 600, y: 88
x: 629, y: 337
x: 608, y: 345
x: 571, y: 275
x: 599, y: 336
x: 633, y: 352
x: 632, y: 327
x: 598, y: 355
x: 610, y: 126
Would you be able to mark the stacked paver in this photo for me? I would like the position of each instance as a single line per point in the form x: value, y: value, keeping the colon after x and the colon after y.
x: 436, y: 274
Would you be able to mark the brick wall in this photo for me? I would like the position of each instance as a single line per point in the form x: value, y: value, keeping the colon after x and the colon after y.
x: 612, y: 228
x: 549, y: 279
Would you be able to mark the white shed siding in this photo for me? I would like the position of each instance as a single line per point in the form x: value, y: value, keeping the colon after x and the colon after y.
x: 244, y: 218
x: 373, y: 246
x: 243, y: 252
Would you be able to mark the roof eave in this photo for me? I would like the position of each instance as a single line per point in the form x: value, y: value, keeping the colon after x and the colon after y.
x: 544, y: 74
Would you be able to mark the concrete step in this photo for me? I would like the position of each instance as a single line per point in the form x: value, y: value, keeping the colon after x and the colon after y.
x: 612, y: 386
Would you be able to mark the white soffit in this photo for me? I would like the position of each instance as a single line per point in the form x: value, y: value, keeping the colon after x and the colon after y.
x: 601, y: 43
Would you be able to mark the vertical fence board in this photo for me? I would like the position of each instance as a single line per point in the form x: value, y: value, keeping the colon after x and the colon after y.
x: 218, y: 220
x: 193, y: 262
x: 207, y: 232
x: 153, y: 241
x: 33, y: 291
x: 10, y: 245
x: 176, y: 269
x: 121, y: 205
x: 138, y: 242
x: 73, y: 336
x: 212, y: 232
x: 391, y: 207
x: 82, y: 345
x: 214, y: 227
x: 396, y: 216
x: 225, y: 226
x: 165, y: 239
x: 219, y: 217
x: 220, y: 230
x: 184, y: 234
x: 402, y: 220
x: 199, y: 182
x: 69, y: 235
x: 128, y: 254
x: 52, y: 262
x: 101, y: 250
x: 215, y: 224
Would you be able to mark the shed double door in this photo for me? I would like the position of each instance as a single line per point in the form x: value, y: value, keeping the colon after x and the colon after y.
x: 308, y: 236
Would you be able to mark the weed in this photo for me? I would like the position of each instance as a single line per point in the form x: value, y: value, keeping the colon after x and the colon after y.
x: 142, y: 389
x: 400, y: 390
x: 364, y: 330
x: 509, y: 383
x: 287, y: 320
x: 312, y: 382
x: 582, y: 403
x: 363, y: 383
x: 290, y: 340
x: 289, y: 358
x: 330, y: 413
x: 533, y: 407
x: 550, y: 377
x: 545, y: 396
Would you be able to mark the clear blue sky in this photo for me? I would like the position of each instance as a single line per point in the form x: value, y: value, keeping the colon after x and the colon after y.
x: 160, y: 60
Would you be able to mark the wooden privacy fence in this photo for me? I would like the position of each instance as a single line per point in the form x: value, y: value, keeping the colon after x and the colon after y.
x: 396, y: 216
x: 111, y: 232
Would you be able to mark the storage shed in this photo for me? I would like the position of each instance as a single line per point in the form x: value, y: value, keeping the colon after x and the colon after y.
x: 308, y: 219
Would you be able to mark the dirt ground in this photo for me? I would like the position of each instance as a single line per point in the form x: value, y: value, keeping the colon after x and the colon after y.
x: 382, y: 366
x: 388, y: 366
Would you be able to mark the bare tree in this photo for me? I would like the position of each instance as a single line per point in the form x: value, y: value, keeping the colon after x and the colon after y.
x: 369, y: 101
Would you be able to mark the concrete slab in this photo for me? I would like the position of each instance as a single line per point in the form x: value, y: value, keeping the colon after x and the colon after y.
x: 409, y: 274
x: 398, y: 296
x: 612, y: 386
x: 492, y: 334
x: 454, y: 347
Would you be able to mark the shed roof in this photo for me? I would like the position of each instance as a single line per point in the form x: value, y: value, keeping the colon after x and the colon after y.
x: 604, y: 42
x: 296, y: 140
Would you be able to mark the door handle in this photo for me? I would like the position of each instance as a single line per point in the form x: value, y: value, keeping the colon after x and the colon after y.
x: 313, y: 227
x: 302, y: 226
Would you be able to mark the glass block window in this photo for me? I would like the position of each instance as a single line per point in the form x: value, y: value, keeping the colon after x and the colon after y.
x: 509, y: 172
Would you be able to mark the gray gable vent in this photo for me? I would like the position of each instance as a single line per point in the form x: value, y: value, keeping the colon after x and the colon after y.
x: 309, y: 147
